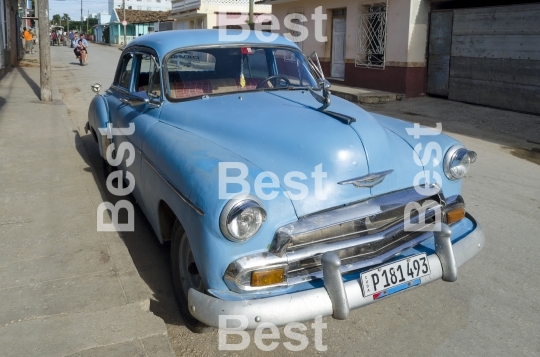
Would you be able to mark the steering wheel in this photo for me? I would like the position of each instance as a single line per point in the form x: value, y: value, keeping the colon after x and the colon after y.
x: 279, y: 76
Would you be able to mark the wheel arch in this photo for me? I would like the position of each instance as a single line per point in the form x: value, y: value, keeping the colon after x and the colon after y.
x: 166, y: 221
x: 98, y: 117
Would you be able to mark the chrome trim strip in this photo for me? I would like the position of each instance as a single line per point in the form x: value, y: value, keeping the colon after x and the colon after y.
x: 306, y: 305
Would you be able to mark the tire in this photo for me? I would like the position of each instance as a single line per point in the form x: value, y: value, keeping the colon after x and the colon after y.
x: 185, y: 276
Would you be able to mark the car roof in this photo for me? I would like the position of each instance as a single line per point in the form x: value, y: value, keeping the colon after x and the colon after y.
x: 166, y: 41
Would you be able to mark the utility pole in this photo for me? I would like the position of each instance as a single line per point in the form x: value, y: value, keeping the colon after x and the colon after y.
x: 44, y: 51
x: 124, y: 22
x: 87, y: 22
x: 251, y: 5
x: 80, y: 29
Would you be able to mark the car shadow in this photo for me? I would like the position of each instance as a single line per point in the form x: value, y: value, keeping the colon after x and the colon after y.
x: 151, y: 258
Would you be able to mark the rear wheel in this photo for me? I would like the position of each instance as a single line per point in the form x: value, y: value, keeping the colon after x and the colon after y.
x: 185, y: 276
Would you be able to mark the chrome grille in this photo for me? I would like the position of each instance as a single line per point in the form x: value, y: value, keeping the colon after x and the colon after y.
x: 355, y: 220
x: 363, y: 234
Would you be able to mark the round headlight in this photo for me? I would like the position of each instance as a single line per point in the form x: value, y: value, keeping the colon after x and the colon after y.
x: 241, y: 219
x: 457, y: 162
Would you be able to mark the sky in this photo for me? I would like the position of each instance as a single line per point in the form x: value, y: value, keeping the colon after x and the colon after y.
x: 73, y: 7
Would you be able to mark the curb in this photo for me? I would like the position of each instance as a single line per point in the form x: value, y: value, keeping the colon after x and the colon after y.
x: 368, y: 98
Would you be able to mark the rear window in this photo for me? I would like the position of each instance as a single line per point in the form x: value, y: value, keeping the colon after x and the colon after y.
x: 234, y: 69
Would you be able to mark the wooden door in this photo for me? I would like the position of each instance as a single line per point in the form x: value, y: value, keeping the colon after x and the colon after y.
x: 338, y: 47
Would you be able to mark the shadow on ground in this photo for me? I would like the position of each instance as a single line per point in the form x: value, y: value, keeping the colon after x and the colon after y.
x: 512, y: 130
x: 35, y: 87
x: 151, y: 258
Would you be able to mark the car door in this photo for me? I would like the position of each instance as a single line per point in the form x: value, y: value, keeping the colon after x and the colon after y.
x: 137, y: 79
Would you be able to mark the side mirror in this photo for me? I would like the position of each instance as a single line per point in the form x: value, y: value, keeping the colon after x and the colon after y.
x: 96, y: 88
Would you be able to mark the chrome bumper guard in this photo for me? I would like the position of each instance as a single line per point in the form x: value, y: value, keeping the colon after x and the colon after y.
x: 336, y: 298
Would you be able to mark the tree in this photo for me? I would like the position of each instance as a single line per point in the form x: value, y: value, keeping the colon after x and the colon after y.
x: 56, y: 19
x: 66, y: 19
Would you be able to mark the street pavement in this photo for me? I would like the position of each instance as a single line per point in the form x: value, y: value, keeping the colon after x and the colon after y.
x: 491, y: 310
x: 66, y: 289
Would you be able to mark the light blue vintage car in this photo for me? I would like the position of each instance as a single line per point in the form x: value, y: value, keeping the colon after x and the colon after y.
x: 281, y: 202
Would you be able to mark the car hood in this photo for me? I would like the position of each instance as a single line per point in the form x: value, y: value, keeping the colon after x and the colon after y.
x: 282, y: 132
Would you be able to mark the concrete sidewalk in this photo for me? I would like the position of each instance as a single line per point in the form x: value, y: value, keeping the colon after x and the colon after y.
x: 67, y: 290
x: 364, y: 96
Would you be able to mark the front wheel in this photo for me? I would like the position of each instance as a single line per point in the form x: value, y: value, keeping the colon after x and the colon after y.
x: 185, y: 276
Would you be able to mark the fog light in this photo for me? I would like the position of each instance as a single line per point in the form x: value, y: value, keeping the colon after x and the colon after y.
x: 267, y: 277
x: 456, y: 214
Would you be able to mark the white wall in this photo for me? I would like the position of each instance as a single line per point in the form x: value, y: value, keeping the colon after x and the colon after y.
x: 208, y: 14
x: 407, y: 22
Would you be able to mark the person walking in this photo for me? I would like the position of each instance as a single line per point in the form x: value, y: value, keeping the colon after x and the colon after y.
x: 53, y: 38
x: 71, y: 38
x: 28, y: 40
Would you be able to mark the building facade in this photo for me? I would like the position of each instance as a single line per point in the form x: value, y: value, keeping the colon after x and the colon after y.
x: 148, y: 5
x: 10, y: 45
x: 208, y: 14
x: 475, y: 51
x: 373, y: 44
x: 139, y: 22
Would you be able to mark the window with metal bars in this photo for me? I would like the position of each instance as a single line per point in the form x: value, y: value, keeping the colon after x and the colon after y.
x: 371, y: 35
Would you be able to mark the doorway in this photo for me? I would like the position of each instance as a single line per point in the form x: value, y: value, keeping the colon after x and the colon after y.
x: 339, y: 30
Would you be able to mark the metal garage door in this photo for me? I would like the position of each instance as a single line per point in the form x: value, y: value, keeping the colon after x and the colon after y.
x: 494, y: 56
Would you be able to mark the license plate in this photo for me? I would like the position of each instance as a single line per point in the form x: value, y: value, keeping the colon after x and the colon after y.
x: 401, y: 272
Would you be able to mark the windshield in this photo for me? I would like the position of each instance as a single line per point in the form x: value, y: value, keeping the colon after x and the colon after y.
x: 235, y: 69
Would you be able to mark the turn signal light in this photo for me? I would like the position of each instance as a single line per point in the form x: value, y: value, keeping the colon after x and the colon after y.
x: 455, y: 215
x: 267, y: 277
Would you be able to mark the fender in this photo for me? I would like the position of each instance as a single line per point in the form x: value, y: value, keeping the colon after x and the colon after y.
x: 183, y: 160
x: 445, y: 142
x: 98, y: 117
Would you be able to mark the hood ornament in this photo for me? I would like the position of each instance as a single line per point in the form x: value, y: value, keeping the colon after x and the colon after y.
x: 369, y: 180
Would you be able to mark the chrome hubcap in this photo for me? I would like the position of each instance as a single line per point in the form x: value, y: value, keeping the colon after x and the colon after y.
x: 188, y: 269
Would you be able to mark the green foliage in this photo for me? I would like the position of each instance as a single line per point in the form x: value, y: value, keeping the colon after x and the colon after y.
x: 56, y: 19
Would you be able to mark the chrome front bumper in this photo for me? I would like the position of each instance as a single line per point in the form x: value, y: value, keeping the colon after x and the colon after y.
x: 337, y: 297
